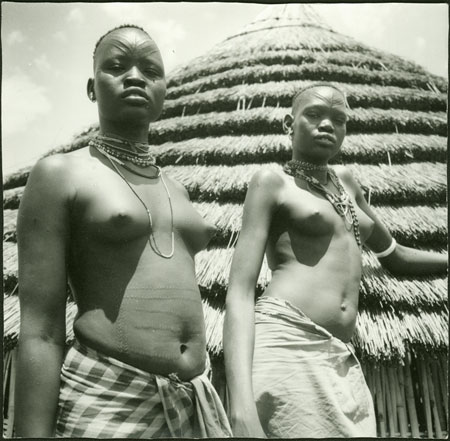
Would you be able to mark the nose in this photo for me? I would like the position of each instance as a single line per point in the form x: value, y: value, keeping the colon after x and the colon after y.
x: 134, y: 78
x: 326, y: 125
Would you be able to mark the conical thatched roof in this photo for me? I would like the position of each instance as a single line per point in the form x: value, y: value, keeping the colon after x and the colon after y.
x: 222, y: 122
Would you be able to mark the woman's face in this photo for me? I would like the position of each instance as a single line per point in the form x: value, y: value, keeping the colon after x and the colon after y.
x: 319, y: 125
x: 129, y: 82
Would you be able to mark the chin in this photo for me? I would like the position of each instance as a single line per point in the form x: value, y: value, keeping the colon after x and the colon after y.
x: 137, y: 113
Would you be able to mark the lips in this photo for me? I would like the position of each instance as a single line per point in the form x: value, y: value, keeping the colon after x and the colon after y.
x: 135, y: 92
x: 325, y: 137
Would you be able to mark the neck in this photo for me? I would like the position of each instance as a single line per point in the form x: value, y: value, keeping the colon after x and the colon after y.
x: 318, y: 170
x: 130, y: 132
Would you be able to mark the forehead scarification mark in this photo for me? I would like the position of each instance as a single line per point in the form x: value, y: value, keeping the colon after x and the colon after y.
x: 338, y: 97
x: 129, y: 41
x: 329, y: 95
x: 134, y: 44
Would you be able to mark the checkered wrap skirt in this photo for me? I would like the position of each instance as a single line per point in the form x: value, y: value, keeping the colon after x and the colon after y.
x: 101, y: 397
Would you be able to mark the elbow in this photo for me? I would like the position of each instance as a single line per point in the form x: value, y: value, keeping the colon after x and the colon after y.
x: 239, y: 295
x: 397, y: 262
x: 391, y: 265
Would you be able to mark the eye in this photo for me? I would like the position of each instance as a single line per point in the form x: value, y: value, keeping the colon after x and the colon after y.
x: 312, y: 114
x: 152, y: 72
x: 115, y: 67
x: 340, y: 121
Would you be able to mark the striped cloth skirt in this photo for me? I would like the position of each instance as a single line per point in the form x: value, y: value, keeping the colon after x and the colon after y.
x: 307, y: 383
x: 101, y: 397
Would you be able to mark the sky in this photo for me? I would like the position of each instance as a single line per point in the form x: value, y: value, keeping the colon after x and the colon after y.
x: 47, y: 53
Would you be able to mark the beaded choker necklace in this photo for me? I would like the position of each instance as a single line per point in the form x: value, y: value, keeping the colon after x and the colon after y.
x: 302, y: 165
x: 341, y: 203
x: 113, y: 159
x: 136, y: 152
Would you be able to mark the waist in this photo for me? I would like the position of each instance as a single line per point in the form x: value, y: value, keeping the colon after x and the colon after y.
x: 318, y: 276
x: 280, y: 311
x: 81, y: 349
x: 161, y: 330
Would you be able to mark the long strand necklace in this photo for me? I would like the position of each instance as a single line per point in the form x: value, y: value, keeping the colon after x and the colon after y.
x: 341, y: 203
x: 151, y: 238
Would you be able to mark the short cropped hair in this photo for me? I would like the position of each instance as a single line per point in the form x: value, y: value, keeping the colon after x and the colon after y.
x: 115, y: 29
x: 314, y: 85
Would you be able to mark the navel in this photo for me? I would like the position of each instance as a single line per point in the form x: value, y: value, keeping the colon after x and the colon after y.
x: 343, y: 307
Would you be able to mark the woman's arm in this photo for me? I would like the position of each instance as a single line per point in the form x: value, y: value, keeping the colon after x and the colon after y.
x: 43, y: 234
x: 238, y: 335
x: 403, y: 260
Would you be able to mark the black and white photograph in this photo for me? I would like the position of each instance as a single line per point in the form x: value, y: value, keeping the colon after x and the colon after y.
x: 225, y: 220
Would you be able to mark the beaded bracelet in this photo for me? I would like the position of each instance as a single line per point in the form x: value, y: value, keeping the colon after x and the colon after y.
x: 389, y: 250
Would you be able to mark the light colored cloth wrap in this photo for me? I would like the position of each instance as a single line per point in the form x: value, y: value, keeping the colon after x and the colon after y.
x: 307, y: 383
x: 101, y: 397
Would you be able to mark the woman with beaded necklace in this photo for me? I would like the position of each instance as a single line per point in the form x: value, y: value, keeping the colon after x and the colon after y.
x: 311, y: 221
x: 107, y: 220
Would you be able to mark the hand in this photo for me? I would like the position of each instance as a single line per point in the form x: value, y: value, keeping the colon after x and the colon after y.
x: 247, y: 427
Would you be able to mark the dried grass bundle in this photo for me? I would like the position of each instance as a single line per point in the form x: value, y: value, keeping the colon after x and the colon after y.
x: 410, y: 225
x: 308, y: 71
x: 387, y: 185
x: 207, y: 65
x: 273, y: 93
x: 362, y: 148
x: 269, y: 121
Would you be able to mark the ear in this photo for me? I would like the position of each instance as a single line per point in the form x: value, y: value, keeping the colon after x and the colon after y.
x: 90, y: 89
x: 287, y: 123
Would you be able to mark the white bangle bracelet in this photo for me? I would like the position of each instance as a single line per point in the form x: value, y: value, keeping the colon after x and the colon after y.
x: 388, y: 250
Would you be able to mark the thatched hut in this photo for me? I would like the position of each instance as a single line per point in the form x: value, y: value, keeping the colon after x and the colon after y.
x: 222, y: 122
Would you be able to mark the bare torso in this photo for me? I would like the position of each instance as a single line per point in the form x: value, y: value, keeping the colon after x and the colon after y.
x: 315, y: 260
x: 135, y: 305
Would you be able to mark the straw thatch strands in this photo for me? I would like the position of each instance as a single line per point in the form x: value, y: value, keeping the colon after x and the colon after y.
x: 9, y: 225
x: 415, y: 183
x: 11, y: 198
x: 378, y: 289
x: 280, y: 93
x: 11, y: 321
x: 421, y: 182
x: 205, y: 66
x: 308, y: 71
x: 268, y: 120
x: 9, y: 266
x: 424, y: 225
x: 386, y: 336
x: 382, y: 336
x: 361, y: 148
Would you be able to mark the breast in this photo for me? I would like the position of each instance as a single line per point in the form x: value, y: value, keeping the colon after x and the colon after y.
x: 116, y: 221
x: 315, y: 216
x: 195, y: 230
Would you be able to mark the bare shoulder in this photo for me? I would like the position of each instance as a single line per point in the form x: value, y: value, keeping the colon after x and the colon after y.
x: 267, y: 180
x: 347, y: 178
x: 265, y: 188
x: 51, y: 168
x: 53, y: 175
x: 345, y: 175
